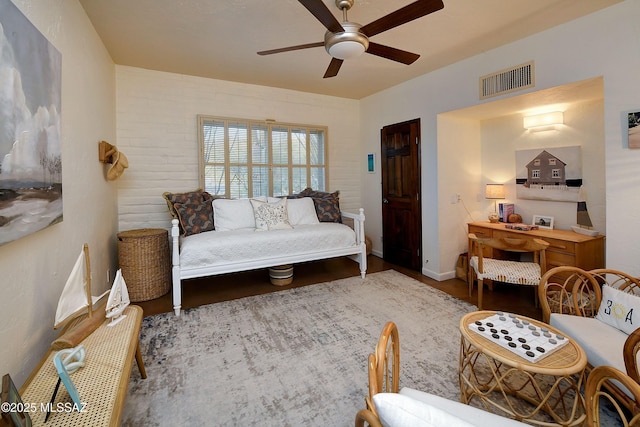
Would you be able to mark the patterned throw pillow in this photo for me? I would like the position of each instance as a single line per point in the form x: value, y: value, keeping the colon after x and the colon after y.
x: 194, y: 197
x: 327, y: 204
x: 617, y: 309
x: 195, y: 217
x: 270, y: 216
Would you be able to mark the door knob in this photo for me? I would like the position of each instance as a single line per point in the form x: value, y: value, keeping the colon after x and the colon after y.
x: 385, y: 201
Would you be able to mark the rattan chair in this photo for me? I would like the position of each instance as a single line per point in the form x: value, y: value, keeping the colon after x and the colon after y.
x: 572, y: 291
x: 510, y: 270
x: 596, y: 391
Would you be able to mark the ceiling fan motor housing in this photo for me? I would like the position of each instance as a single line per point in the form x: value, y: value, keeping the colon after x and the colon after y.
x: 348, y: 44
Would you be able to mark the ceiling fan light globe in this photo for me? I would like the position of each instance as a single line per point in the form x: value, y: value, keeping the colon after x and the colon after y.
x: 348, y: 44
x: 346, y: 50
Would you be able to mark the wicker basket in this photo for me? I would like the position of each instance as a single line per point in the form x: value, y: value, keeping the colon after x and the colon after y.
x: 144, y: 259
x: 281, y: 275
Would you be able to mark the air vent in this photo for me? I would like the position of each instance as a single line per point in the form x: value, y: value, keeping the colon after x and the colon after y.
x: 509, y: 80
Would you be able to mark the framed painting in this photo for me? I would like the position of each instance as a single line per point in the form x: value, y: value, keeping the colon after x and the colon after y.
x: 633, y: 129
x: 30, y: 142
x: 553, y: 174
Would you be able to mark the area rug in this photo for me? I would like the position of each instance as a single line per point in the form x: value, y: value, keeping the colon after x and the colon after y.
x: 296, y: 357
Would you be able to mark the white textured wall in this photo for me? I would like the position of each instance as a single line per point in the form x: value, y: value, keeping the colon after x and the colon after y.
x: 157, y: 129
x: 35, y: 268
x: 577, y: 53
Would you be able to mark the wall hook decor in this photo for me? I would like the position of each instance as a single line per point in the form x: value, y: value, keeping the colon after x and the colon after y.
x: 106, y: 152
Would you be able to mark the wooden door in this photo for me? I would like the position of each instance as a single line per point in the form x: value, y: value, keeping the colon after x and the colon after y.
x: 401, y: 211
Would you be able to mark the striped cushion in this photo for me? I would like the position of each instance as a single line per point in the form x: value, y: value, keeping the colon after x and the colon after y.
x: 521, y: 273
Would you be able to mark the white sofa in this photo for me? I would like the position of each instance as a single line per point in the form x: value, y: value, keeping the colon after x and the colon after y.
x: 259, y: 233
x: 600, y: 310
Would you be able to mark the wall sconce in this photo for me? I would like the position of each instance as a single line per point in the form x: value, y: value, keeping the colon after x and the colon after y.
x: 542, y: 122
x: 494, y: 192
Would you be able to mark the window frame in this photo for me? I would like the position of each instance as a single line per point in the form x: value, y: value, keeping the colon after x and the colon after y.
x: 270, y: 126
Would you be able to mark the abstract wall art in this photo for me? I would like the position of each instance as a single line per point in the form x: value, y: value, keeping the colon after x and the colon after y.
x: 30, y: 141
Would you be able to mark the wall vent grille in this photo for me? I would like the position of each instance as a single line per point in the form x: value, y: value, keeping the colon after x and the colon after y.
x: 510, y: 80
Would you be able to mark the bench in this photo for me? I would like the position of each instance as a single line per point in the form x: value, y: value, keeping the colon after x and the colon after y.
x: 101, y: 383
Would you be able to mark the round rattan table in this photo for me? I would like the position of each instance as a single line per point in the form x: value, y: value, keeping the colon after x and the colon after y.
x: 546, y: 392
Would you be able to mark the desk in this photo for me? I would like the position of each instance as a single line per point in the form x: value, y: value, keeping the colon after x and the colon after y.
x: 102, y: 383
x: 565, y: 247
x: 507, y: 383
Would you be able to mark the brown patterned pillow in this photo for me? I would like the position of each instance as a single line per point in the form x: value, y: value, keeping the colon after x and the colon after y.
x: 327, y: 204
x: 195, y: 196
x: 195, y: 217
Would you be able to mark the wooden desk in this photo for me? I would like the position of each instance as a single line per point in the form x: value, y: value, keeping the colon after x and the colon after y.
x: 101, y: 383
x: 565, y: 247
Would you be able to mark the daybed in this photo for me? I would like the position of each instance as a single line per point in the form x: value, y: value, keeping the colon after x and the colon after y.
x: 216, y: 236
x: 599, y: 309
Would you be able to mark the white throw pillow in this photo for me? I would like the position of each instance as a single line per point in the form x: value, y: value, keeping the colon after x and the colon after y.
x: 618, y: 309
x: 302, y: 211
x: 397, y: 410
x: 270, y: 216
x: 233, y: 214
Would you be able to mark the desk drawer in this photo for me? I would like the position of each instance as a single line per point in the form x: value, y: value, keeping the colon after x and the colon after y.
x: 483, y: 233
x: 558, y: 259
x: 561, y: 246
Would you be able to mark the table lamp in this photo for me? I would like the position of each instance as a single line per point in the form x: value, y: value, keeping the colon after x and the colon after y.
x: 494, y: 192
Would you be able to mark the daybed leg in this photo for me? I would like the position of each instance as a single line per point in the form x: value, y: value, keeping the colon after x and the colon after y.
x: 175, y: 269
x: 363, y: 261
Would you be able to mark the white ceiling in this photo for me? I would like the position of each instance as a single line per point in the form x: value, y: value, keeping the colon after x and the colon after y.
x: 219, y: 39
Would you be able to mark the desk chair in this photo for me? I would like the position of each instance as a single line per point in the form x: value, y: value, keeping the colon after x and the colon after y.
x: 505, y: 270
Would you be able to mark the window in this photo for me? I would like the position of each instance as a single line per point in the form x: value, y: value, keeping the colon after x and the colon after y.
x: 552, y: 162
x: 244, y: 158
x: 555, y: 173
x: 535, y: 173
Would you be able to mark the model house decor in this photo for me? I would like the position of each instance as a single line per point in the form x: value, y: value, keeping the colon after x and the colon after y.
x: 30, y: 142
x: 553, y: 174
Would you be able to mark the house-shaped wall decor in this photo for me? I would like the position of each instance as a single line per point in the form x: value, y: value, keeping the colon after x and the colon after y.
x: 545, y: 169
x: 549, y: 174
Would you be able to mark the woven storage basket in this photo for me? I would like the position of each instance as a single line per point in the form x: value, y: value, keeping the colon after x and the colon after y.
x: 143, y: 256
x: 281, y: 275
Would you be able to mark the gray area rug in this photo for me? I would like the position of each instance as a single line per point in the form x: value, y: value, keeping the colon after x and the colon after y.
x: 296, y: 357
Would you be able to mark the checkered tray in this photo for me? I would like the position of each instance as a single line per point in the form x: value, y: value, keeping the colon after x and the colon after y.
x: 519, y: 336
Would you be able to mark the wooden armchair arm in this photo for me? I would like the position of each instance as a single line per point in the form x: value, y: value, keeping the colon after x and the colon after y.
x: 597, y: 393
x: 571, y: 291
x: 365, y: 415
x: 630, y: 351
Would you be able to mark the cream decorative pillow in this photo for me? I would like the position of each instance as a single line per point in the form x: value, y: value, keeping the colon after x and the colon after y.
x: 302, y: 211
x: 233, y: 214
x: 617, y: 309
x: 270, y: 216
x: 397, y: 410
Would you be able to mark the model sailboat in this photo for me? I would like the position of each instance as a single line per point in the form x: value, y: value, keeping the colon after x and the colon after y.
x: 584, y: 221
x: 76, y: 299
x: 118, y: 300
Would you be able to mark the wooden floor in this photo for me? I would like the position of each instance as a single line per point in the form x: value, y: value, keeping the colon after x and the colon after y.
x: 196, y: 292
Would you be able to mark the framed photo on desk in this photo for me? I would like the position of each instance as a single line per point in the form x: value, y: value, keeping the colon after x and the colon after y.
x: 10, y: 398
x: 543, y: 221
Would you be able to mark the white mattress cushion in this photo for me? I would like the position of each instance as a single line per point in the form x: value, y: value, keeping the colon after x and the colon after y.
x: 474, y: 416
x: 398, y: 410
x: 217, y: 248
x: 602, y: 343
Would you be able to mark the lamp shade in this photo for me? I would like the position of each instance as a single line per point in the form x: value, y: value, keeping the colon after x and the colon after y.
x: 494, y: 191
x: 543, y: 121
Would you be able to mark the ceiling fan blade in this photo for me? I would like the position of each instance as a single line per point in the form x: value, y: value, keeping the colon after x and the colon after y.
x: 392, y: 53
x: 323, y: 14
x: 334, y: 67
x: 290, y: 48
x: 401, y: 16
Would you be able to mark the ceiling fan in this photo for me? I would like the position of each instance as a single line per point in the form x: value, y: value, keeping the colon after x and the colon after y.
x: 348, y: 40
